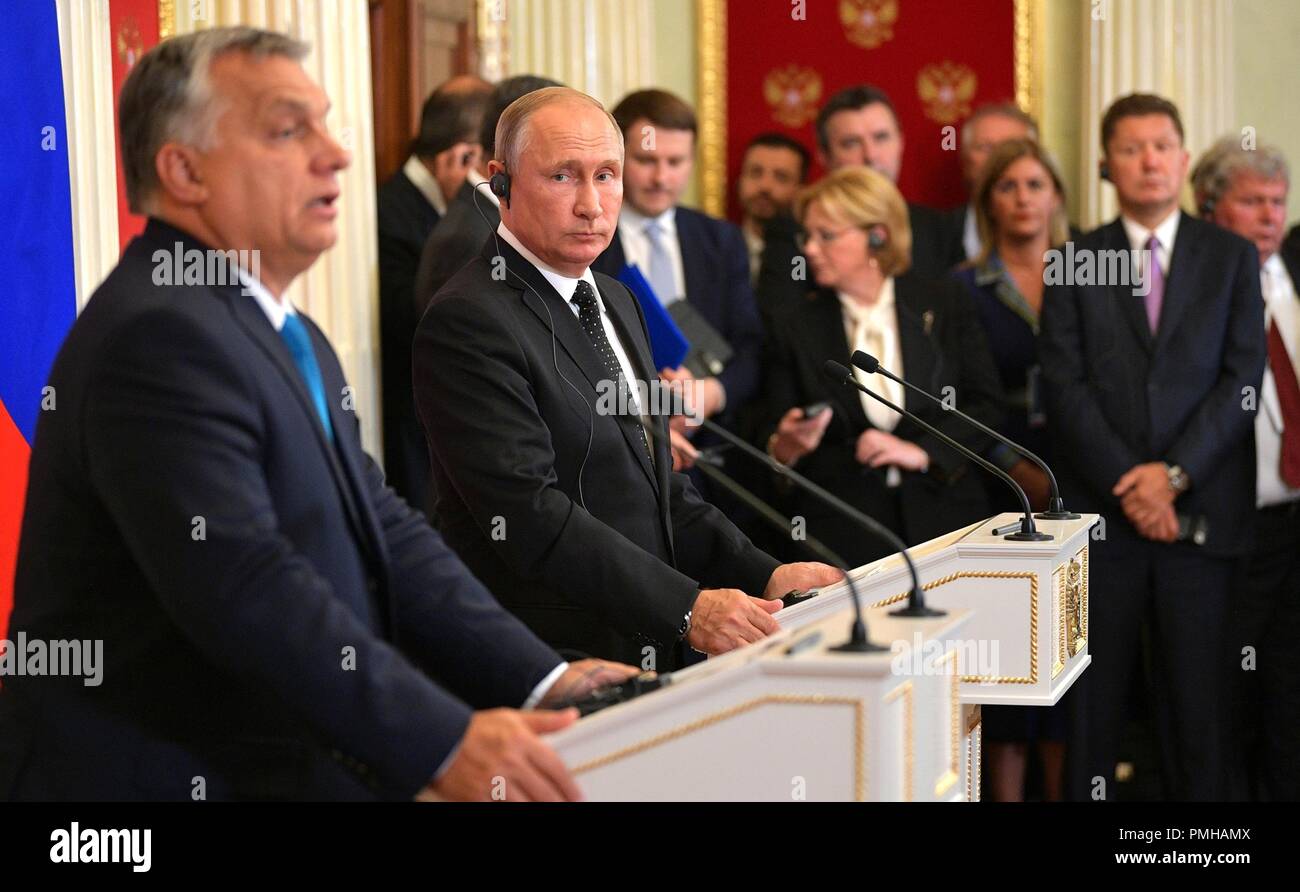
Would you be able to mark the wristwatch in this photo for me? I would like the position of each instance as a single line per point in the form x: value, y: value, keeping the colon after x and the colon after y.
x: 1178, y: 481
x: 685, y: 628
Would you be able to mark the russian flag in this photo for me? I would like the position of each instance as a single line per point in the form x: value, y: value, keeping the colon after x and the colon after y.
x: 38, y: 298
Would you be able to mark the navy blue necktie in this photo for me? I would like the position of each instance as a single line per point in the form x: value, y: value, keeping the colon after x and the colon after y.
x: 299, y: 342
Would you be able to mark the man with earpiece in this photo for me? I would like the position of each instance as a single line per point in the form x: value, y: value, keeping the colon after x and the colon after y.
x: 560, y: 498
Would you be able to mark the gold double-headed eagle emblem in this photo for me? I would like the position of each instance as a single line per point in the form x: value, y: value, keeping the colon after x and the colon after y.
x: 868, y: 23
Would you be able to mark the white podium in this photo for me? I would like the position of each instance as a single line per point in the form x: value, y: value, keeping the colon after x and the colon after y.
x: 788, y: 718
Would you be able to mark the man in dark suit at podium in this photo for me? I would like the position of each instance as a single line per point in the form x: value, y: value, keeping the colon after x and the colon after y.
x: 1151, y: 390
x: 552, y: 471
x: 272, y: 617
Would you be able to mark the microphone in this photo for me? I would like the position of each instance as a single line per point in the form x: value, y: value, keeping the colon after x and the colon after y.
x: 858, y: 641
x: 1028, y: 532
x: 1055, y: 506
x: 916, y: 607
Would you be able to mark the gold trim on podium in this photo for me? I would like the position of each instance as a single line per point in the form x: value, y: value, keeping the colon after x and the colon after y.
x: 859, y: 732
x: 1058, y: 585
x: 711, y: 111
x: 974, y: 731
x: 953, y: 774
x: 904, y: 691
x: 1032, y: 678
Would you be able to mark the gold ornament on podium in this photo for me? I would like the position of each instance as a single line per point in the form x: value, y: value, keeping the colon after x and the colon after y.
x: 1074, y: 607
x: 946, y: 89
x: 793, y: 93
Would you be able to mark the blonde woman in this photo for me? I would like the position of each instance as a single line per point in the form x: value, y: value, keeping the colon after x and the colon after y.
x: 858, y: 243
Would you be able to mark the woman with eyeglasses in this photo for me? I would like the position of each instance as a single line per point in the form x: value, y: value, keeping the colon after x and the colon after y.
x: 1019, y: 214
x: 857, y: 241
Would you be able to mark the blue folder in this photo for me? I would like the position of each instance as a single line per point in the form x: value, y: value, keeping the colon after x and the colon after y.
x: 668, y: 345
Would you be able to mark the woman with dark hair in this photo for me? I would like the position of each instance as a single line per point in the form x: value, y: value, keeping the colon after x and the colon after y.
x: 1020, y: 215
x: 857, y: 241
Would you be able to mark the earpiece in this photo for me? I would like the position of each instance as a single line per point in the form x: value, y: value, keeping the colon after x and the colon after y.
x: 1103, y: 170
x: 500, y: 186
x: 877, y: 237
x: 1207, y: 206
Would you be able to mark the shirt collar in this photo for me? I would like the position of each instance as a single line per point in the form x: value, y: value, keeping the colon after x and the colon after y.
x: 878, y: 313
x: 1166, y: 231
x: 476, y: 180
x: 276, y: 310
x: 1274, y: 266
x: 418, y: 174
x: 565, y: 285
x: 636, y: 221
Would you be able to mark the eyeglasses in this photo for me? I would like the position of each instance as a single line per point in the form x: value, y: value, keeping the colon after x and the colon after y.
x: 826, y: 236
x: 822, y: 236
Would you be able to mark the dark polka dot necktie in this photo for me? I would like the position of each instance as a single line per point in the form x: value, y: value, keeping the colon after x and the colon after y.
x: 584, y: 298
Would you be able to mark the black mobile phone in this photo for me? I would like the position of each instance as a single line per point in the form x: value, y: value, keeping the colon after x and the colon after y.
x: 812, y: 410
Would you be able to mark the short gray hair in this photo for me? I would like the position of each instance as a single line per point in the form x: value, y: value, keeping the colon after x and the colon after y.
x: 1223, y: 161
x: 1008, y: 110
x: 168, y: 97
x: 512, y: 128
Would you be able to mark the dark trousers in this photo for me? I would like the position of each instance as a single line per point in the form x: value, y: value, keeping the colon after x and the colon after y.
x: 1266, y: 619
x: 1183, y: 596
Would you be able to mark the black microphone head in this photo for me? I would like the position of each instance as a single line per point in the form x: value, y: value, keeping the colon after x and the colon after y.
x: 866, y: 362
x: 836, y: 370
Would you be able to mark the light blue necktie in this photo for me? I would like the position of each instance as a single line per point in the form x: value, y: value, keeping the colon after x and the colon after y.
x: 299, y: 342
x: 661, y: 266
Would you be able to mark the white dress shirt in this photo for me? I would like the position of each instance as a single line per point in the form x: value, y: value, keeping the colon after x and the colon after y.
x: 873, y: 329
x: 754, y: 245
x: 566, y: 287
x: 1280, y: 306
x: 276, y: 312
x: 1165, y: 232
x: 970, y: 233
x: 636, y: 246
x: 418, y: 174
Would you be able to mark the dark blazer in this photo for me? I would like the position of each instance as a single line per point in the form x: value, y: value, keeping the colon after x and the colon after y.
x: 549, y: 498
x: 942, y: 346
x: 405, y: 220
x: 936, y: 249
x: 470, y: 219
x: 715, y: 262
x: 1118, y: 397
x: 272, y: 614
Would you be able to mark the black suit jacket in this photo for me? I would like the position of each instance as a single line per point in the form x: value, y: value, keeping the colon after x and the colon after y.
x: 550, y: 498
x: 271, y: 613
x: 1118, y: 397
x: 942, y: 346
x: 455, y: 242
x: 715, y: 262
x: 405, y: 220
x: 936, y: 249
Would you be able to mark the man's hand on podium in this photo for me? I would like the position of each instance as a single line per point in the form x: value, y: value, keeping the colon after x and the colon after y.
x: 583, y: 677
x: 788, y: 577
x: 726, y: 618
x: 503, y: 756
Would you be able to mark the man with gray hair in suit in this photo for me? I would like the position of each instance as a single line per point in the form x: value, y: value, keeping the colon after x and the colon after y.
x: 1244, y: 189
